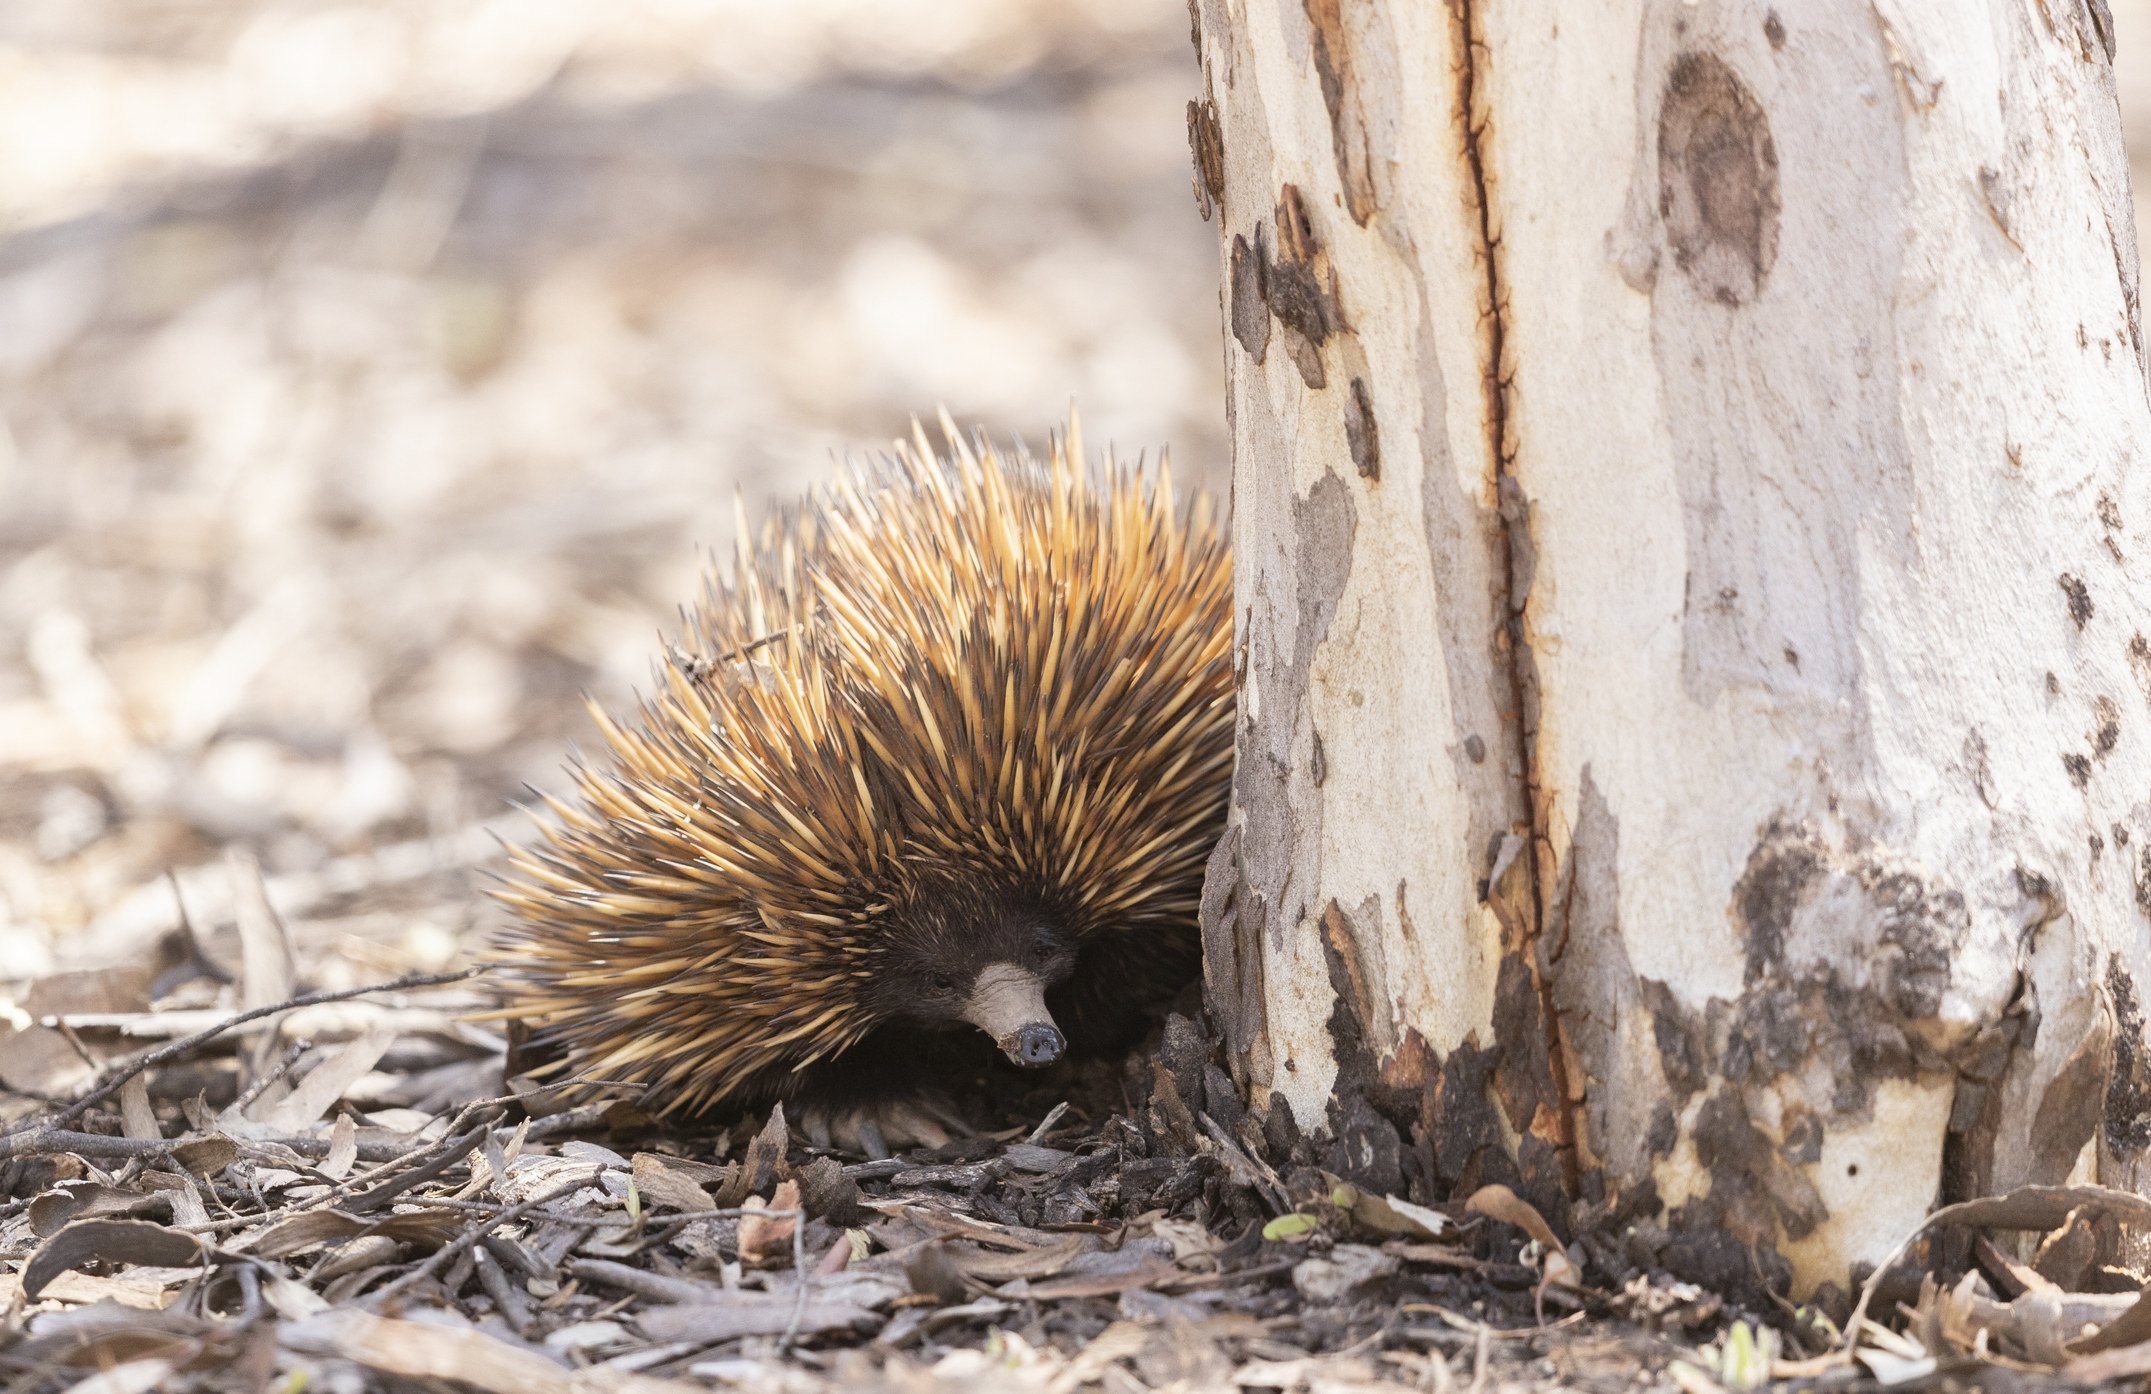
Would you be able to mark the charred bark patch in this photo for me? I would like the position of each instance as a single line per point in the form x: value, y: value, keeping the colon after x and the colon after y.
x: 1853, y: 899
x: 1411, y: 1122
x: 1803, y: 1134
x: 1922, y: 928
x: 1232, y: 958
x: 2078, y: 596
x: 1717, y: 179
x: 1704, y: 1251
x: 1749, y: 1178
x: 1850, y: 954
x: 1458, y: 1143
x: 2127, y: 1105
x: 2074, y: 1102
x: 1348, y: 135
x: 1683, y: 1055
x: 1975, y: 1113
x: 1362, y: 434
x: 1781, y: 868
x: 2106, y: 730
x: 1366, y: 1147
x: 1250, y: 308
x: 1302, y: 289
x: 1664, y: 1130
x: 1206, y: 143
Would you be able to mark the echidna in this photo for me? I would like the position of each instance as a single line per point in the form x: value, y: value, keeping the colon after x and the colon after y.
x: 951, y: 746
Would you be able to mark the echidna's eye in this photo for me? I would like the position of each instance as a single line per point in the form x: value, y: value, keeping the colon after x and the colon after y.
x: 943, y: 982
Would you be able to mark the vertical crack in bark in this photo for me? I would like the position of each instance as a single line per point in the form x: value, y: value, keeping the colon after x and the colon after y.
x: 1517, y: 563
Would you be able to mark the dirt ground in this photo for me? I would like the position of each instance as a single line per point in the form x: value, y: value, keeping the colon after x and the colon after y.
x: 370, y: 377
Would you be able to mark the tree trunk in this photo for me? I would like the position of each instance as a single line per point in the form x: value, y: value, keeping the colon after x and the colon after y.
x: 1695, y: 762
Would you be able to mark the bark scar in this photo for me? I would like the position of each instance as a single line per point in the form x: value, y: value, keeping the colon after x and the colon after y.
x: 1561, y: 1118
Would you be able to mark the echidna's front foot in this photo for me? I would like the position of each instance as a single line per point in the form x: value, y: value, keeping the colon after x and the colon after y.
x: 876, y: 1129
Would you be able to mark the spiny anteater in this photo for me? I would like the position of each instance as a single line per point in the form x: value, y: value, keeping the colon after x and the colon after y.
x: 951, y: 746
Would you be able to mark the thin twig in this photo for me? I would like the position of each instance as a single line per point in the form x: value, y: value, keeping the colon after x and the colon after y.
x: 129, y: 1069
x: 1945, y: 1215
x: 455, y: 1152
x: 799, y: 1268
x: 42, y: 1142
x: 1045, y: 1125
x: 449, y: 1252
x: 487, y: 1207
x: 270, y: 1076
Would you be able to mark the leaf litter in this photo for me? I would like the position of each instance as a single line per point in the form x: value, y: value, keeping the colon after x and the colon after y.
x: 287, y: 1225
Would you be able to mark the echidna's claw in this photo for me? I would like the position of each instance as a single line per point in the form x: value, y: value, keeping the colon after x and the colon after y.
x: 880, y: 1129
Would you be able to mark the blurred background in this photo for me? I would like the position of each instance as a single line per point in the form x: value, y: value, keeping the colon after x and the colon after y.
x: 370, y: 371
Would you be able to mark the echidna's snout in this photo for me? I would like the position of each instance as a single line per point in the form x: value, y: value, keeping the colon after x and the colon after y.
x: 1039, y: 1043
x: 1008, y: 1003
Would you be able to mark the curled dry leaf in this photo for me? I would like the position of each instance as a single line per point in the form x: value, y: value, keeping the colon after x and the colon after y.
x: 87, y: 1200
x: 268, y: 969
x: 1394, y: 1216
x: 1501, y: 1203
x: 109, y: 1241
x: 763, y: 1239
x: 1034, y: 1264
x: 312, y: 1228
x: 2132, y: 1327
x: 365, y: 1251
x: 187, y: 1207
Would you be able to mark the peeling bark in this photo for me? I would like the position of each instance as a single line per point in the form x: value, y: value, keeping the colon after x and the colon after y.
x: 1672, y: 780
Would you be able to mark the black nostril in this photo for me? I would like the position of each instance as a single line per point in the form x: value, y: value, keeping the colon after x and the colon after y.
x: 1039, y: 1044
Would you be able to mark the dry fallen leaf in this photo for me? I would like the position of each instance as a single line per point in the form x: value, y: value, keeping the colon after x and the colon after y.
x: 1193, y: 1243
x: 749, y: 1314
x: 321, y: 1088
x: 109, y: 1241
x: 662, y: 1184
x: 137, y: 1119
x: 417, y: 1350
x: 764, y: 1239
x: 343, y: 1148
x: 1501, y: 1203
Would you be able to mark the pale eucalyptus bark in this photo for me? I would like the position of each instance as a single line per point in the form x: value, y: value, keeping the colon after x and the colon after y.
x: 1695, y: 745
